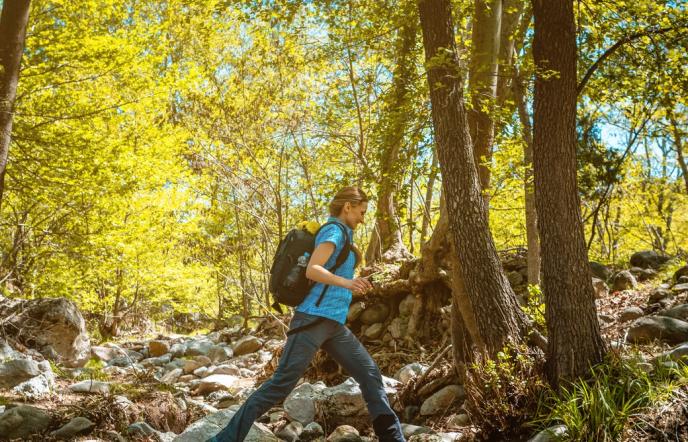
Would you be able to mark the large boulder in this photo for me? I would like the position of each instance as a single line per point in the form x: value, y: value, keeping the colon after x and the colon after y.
x: 16, y: 371
x: 52, y: 326
x: 246, y: 345
x: 22, y: 421
x: 677, y: 312
x: 345, y: 399
x: 649, y: 328
x: 300, y: 405
x: 439, y: 401
x: 210, y: 425
x: 600, y: 271
x: 624, y: 280
x: 683, y: 271
x: 648, y: 259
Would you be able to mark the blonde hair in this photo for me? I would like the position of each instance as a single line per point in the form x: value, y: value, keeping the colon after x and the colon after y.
x: 354, y: 196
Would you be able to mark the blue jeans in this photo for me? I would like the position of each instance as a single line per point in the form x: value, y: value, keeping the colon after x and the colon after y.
x: 309, y: 334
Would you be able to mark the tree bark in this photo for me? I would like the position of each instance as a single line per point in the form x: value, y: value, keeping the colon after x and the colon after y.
x: 482, y: 82
x: 15, y: 16
x: 499, y: 319
x: 386, y: 242
x: 575, y: 343
x: 678, y: 145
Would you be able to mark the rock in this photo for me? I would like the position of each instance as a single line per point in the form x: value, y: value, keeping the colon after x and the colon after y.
x: 682, y: 280
x: 22, y: 421
x: 441, y: 400
x: 290, y: 432
x: 677, y: 312
x: 414, y: 430
x: 52, y: 326
x: 186, y: 378
x: 158, y: 348
x: 374, y: 314
x: 406, y: 305
x: 550, y: 434
x: 197, y: 348
x: 355, y: 311
x: 246, y: 345
x: 426, y: 437
x: 601, y: 271
x: 648, y: 259
x: 649, y: 328
x: 201, y: 372
x: 683, y: 271
x: 216, y: 382
x: 624, y: 280
x: 227, y: 369
x: 300, y: 405
x: 631, y: 313
x: 37, y: 387
x: 209, y: 426
x: 140, y: 429
x: 659, y: 294
x: 311, y: 432
x: 680, y: 288
x: 106, y: 354
x: 157, y: 361
x: 220, y: 353
x: 374, y: 331
x: 345, y: 399
x: 191, y: 365
x: 91, y: 387
x: 398, y: 327
x: 344, y: 433
x: 171, y: 376
x: 178, y: 350
x: 601, y: 288
x: 78, y: 426
x: 605, y: 319
x: 458, y: 420
x: 16, y: 371
x: 7, y: 352
x: 409, y: 371
x: 678, y: 353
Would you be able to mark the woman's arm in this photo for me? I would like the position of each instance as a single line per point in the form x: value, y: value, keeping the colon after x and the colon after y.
x: 317, y: 272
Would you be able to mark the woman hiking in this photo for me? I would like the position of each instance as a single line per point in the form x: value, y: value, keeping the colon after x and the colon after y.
x: 318, y: 322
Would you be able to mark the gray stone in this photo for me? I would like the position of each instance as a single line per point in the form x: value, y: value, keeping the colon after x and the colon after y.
x: 624, y: 280
x: 458, y: 420
x: 648, y: 259
x: 442, y: 399
x: 413, y: 430
x: 106, y: 354
x: 374, y: 314
x: 91, y: 386
x: 37, y: 387
x: 140, y: 429
x: 601, y: 271
x: 216, y: 382
x: 409, y: 371
x: 345, y: 399
x: 515, y: 278
x: 601, y: 288
x: 76, y: 427
x: 220, y: 353
x: 158, y: 361
x: 246, y: 345
x: 311, y: 432
x: 210, y: 425
x: 677, y: 312
x: 191, y: 365
x: 7, y: 352
x: 683, y: 271
x: 201, y: 372
x: 680, y: 288
x: 550, y: 434
x: 678, y: 353
x: 344, y: 433
x: 290, y: 432
x: 198, y: 348
x: 227, y: 369
x: 649, y: 328
x: 16, y: 371
x: 659, y: 294
x: 398, y: 327
x: 426, y: 437
x: 374, y: 331
x: 177, y: 350
x: 300, y: 405
x: 22, y: 421
x: 171, y: 376
x: 631, y: 313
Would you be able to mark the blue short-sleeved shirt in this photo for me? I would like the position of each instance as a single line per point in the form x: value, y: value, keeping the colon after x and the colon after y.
x: 335, y: 304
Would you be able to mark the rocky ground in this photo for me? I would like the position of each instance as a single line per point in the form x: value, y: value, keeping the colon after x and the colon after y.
x: 186, y: 388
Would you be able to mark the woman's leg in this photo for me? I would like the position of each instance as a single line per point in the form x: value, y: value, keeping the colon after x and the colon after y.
x: 296, y: 356
x: 345, y: 348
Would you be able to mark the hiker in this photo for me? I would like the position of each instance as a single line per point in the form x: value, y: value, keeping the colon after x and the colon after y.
x: 319, y: 322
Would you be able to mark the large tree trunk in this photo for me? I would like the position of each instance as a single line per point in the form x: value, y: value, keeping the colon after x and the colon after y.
x: 575, y: 343
x: 482, y: 83
x: 498, y: 317
x: 15, y: 16
x: 386, y: 242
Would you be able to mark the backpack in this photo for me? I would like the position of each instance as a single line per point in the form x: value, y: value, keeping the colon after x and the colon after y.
x: 288, y: 283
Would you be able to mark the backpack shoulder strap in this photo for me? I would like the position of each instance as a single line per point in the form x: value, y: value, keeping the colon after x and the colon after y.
x: 344, y: 253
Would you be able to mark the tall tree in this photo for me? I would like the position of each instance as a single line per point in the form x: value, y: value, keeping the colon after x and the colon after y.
x: 15, y: 16
x: 491, y: 299
x: 573, y: 329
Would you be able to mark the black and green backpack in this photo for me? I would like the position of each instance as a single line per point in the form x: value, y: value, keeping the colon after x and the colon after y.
x: 288, y: 282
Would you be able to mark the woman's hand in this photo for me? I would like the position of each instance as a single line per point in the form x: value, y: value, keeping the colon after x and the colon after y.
x: 359, y: 285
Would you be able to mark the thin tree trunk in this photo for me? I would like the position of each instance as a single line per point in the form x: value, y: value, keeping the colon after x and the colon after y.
x: 532, y: 236
x: 678, y: 144
x: 13, y: 21
x: 575, y: 343
x: 482, y: 83
x: 387, y: 242
x: 499, y: 319
x: 427, y: 213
